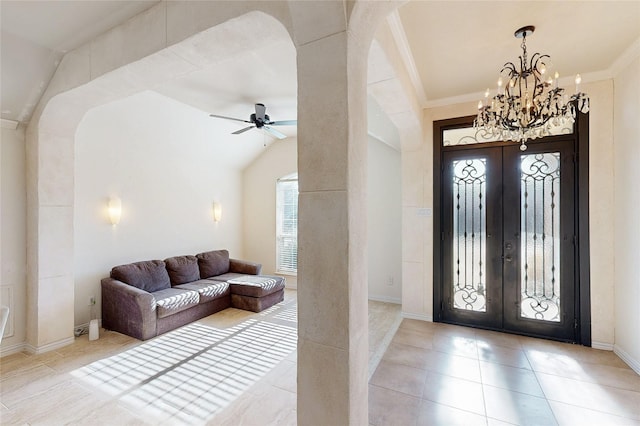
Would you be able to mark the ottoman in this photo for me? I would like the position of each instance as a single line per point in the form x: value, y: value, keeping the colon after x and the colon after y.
x: 256, y: 292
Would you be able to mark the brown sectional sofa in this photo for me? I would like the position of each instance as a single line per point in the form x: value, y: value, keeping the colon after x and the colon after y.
x: 146, y: 299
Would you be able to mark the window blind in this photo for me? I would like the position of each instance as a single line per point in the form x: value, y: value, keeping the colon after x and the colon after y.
x: 287, y: 224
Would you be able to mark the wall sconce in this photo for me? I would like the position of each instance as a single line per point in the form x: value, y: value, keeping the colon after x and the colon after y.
x: 217, y: 211
x: 115, y: 210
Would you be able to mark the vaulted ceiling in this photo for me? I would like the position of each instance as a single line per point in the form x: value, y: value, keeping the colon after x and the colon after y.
x: 453, y: 50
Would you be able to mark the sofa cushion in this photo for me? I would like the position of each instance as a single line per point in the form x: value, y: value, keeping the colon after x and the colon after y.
x: 172, y: 300
x: 213, y: 263
x: 256, y: 285
x: 150, y: 275
x: 182, y: 269
x: 208, y: 289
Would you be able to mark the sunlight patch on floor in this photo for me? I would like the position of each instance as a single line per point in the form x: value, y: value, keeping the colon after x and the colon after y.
x: 191, y: 374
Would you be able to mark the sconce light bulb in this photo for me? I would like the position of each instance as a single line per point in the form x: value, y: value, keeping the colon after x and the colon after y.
x: 115, y: 210
x: 217, y: 211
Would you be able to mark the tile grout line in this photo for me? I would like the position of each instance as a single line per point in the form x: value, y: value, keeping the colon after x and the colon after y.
x: 484, y: 398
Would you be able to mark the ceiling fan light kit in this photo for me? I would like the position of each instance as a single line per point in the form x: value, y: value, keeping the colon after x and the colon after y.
x: 527, y: 103
x: 260, y: 120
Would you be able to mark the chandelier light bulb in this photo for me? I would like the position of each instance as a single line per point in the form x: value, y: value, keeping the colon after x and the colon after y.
x: 479, y: 104
x: 486, y: 93
x: 542, y: 68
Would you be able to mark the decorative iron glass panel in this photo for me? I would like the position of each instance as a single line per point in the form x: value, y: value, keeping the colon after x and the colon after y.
x: 469, y: 234
x: 540, y: 247
x: 472, y: 136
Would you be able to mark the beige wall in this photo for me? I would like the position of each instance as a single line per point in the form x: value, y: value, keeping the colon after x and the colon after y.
x: 13, y: 235
x: 166, y: 163
x: 383, y: 210
x: 384, y: 222
x: 418, y: 167
x: 600, y: 207
x: 259, y: 202
x: 626, y: 161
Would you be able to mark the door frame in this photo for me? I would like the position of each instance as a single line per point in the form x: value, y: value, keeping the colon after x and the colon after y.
x: 580, y: 137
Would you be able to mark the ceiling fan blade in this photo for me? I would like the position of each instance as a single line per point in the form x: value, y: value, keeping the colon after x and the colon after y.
x: 237, y: 132
x: 274, y: 132
x: 228, y: 118
x: 260, y: 111
x: 284, y: 123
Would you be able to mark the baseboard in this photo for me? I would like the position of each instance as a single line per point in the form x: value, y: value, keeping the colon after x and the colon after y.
x: 419, y: 317
x: 385, y: 299
x: 49, y: 346
x: 602, y: 346
x: 624, y: 355
x: 13, y: 349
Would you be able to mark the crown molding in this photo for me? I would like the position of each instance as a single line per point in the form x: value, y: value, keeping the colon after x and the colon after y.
x: 625, y: 59
x: 567, y: 82
x: 400, y: 37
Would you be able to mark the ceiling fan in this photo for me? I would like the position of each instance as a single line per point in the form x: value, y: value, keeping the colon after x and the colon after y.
x: 260, y: 120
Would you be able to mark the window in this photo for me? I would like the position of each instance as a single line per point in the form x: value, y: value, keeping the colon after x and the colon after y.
x: 287, y: 224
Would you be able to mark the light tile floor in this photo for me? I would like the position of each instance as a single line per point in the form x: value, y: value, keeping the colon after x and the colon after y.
x: 439, y: 374
x: 239, y: 368
x: 231, y: 368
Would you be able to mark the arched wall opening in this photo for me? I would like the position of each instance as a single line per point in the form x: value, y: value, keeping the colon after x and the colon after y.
x: 51, y: 152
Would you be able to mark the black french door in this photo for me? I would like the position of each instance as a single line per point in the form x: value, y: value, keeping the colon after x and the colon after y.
x: 508, y: 253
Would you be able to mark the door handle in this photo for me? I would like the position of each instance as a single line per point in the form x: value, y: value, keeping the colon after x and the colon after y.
x: 508, y: 246
x: 508, y: 258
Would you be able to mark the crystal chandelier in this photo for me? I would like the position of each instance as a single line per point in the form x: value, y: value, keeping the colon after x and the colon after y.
x: 528, y: 106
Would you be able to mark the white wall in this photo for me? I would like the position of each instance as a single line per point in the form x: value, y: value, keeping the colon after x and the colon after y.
x: 167, y: 164
x: 13, y: 235
x: 384, y: 222
x: 417, y: 178
x: 625, y: 212
x: 384, y: 213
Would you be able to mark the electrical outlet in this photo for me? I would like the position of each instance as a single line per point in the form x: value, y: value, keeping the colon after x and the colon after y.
x: 92, y: 301
x: 390, y: 281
